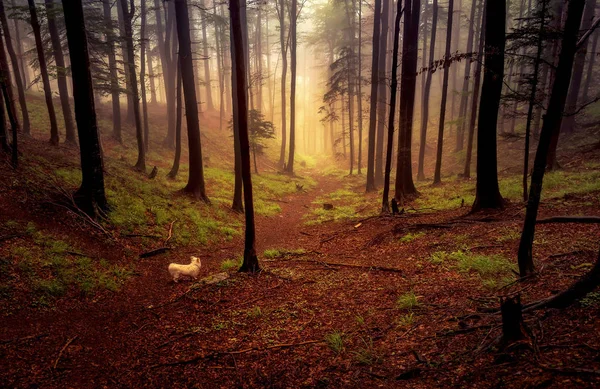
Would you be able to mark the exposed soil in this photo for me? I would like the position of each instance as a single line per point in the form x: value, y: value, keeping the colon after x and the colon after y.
x: 270, y: 329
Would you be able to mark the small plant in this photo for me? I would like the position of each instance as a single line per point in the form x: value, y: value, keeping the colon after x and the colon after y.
x: 282, y: 253
x: 360, y: 320
x: 438, y: 257
x: 366, y: 355
x: 411, y: 237
x: 591, y: 299
x: 335, y: 341
x: 230, y: 264
x: 407, y: 301
x: 255, y: 312
x: 406, y: 320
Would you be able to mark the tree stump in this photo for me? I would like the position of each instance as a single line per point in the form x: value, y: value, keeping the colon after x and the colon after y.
x: 512, y: 319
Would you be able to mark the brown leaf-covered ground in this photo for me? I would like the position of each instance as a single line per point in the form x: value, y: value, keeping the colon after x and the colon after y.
x: 378, y: 302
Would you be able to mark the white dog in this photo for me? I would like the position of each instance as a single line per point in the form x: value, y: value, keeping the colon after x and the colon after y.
x: 190, y: 270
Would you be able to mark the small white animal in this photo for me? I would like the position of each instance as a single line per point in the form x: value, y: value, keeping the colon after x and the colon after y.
x: 190, y: 270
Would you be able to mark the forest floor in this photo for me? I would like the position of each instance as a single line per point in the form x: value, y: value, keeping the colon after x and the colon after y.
x: 368, y: 301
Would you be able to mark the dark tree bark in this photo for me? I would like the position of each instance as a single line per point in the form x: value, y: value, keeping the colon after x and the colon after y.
x: 237, y: 204
x: 35, y: 26
x: 114, y: 76
x: 170, y: 50
x: 90, y: 197
x: 26, y: 126
x: 293, y: 65
x: 476, y: 90
x: 382, y: 92
x: 175, y: 169
x: 568, y: 121
x: 428, y: 75
x: 385, y: 205
x: 533, y: 98
x: 410, y: 50
x: 250, y: 263
x: 143, y: 44
x: 127, y: 20
x: 219, y: 42
x: 373, y: 106
x: 487, y: 194
x: 129, y: 116
x: 590, y: 69
x: 61, y: 72
x: 207, y: 84
x: 3, y: 135
x: 5, y: 76
x: 551, y: 125
x: 195, y: 185
x: 284, y: 66
x: 464, y: 96
x: 20, y: 47
x: 11, y: 116
x: 151, y: 75
x: 164, y: 64
x: 359, y: 87
x: 437, y: 178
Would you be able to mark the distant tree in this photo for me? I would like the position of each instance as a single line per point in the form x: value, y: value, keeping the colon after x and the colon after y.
x: 385, y: 207
x: 281, y: 6
x: 176, y: 160
x: 404, y: 182
x: 487, y: 194
x: 550, y: 126
x: 260, y: 130
x: 207, y: 83
x: 35, y: 25
x: 427, y: 93
x: 143, y: 44
x: 16, y: 72
x: 293, y: 65
x: 112, y: 64
x: 373, y: 99
x: 195, y: 185
x: 128, y: 13
x: 437, y: 178
x: 61, y: 69
x: 90, y: 197
x: 382, y: 84
x: 250, y: 263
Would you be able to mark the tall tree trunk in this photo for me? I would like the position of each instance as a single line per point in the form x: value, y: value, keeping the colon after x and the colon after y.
x: 590, y: 69
x: 128, y: 13
x: 382, y: 92
x: 371, y: 186
x: 454, y: 69
x: 237, y: 204
x: 219, y: 42
x: 487, y: 194
x: 151, y: 75
x: 464, y: 96
x: 410, y: 47
x: 551, y: 125
x: 206, y: 60
x: 130, y: 115
x: 250, y: 263
x: 533, y: 98
x: 7, y: 85
x: 35, y: 26
x: 114, y: 76
x: 568, y: 122
x: 284, y: 65
x: 426, y: 93
x: 385, y: 206
x: 437, y: 178
x: 164, y: 64
x: 90, y: 197
x: 61, y: 71
x: 26, y: 126
x: 476, y: 89
x: 293, y: 65
x: 195, y: 185
x: 20, y: 47
x: 143, y: 45
x: 3, y: 135
x: 359, y: 87
x: 175, y: 169
x: 170, y: 49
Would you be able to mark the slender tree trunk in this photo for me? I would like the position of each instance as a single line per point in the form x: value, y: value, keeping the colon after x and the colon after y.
x: 195, y: 185
x: 220, y: 67
x: 26, y: 126
x: 590, y: 69
x: 90, y: 197
x: 130, y: 115
x: 35, y: 25
x: 170, y: 50
x: 207, y: 84
x: 293, y: 60
x: 284, y: 65
x: 151, y: 75
x: 476, y: 89
x: 143, y: 44
x: 7, y: 87
x: 128, y: 13
x: 6, y: 97
x: 237, y: 204
x: 410, y: 46
x: 3, y: 135
x: 568, y: 122
x: 359, y: 87
x: 20, y: 47
x: 487, y: 194
x: 464, y: 96
x: 175, y: 169
x: 454, y: 69
x: 382, y: 92
x: 371, y: 186
x: 61, y: 71
x: 551, y: 125
x: 426, y: 93
x: 437, y: 178
x: 114, y: 77
x: 250, y: 263
x: 385, y: 206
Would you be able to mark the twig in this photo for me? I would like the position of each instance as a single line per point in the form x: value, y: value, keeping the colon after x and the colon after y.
x: 62, y: 350
x: 170, y: 232
x: 154, y: 252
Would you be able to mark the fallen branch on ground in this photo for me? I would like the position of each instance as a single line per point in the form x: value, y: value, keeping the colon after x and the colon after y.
x: 142, y: 236
x: 154, y: 252
x: 62, y: 350
x: 571, y: 219
x: 170, y: 232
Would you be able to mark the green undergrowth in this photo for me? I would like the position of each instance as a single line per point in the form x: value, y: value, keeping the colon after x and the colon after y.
x: 282, y: 253
x: 50, y: 266
x: 492, y: 270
